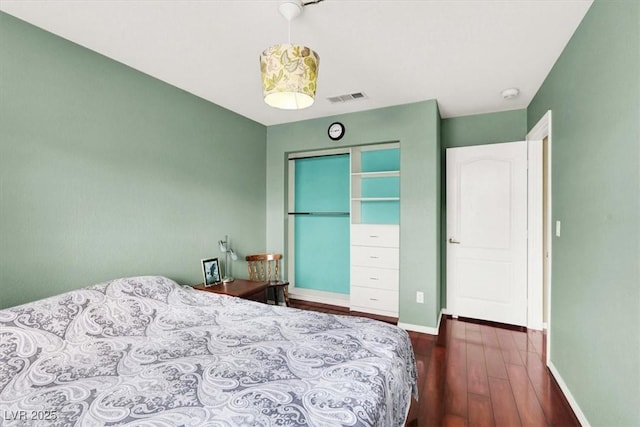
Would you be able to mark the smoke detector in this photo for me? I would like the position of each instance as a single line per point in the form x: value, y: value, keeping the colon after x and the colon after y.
x: 510, y: 93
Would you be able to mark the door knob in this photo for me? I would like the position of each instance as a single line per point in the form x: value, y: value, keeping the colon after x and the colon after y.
x: 451, y: 240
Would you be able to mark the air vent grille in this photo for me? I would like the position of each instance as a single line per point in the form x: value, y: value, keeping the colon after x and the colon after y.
x: 347, y: 97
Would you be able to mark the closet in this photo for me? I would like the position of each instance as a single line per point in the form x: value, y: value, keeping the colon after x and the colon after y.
x: 344, y: 216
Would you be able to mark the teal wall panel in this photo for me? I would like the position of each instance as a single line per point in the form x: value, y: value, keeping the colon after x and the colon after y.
x: 380, y: 212
x: 322, y: 253
x: 380, y: 160
x: 388, y: 186
x: 322, y: 184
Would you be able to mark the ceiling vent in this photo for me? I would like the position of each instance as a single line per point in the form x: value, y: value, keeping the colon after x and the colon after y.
x: 347, y: 97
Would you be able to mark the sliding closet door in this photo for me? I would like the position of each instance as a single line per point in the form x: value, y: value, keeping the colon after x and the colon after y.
x: 319, y: 212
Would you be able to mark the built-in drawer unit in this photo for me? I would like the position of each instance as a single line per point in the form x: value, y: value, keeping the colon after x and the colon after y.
x: 377, y: 301
x: 381, y: 235
x: 369, y: 256
x: 379, y: 278
x: 375, y: 263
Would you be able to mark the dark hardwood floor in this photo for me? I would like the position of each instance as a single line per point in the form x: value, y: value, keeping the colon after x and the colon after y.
x: 475, y: 374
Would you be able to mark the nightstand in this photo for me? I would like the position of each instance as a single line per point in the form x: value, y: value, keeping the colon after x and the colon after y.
x: 247, y: 289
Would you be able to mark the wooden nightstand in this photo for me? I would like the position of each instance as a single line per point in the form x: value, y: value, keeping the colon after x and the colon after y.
x: 247, y: 289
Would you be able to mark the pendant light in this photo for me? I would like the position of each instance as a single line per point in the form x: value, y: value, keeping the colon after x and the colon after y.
x: 289, y: 71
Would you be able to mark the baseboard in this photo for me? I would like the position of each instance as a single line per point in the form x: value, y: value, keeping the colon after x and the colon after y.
x: 319, y: 297
x: 424, y: 329
x: 567, y: 393
x: 536, y: 326
x: 443, y: 312
x: 418, y: 328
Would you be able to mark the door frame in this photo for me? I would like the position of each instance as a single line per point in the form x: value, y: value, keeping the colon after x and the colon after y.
x: 535, y: 160
x: 535, y: 216
x: 534, y: 138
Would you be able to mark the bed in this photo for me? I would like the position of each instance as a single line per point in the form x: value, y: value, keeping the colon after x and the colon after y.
x: 146, y: 351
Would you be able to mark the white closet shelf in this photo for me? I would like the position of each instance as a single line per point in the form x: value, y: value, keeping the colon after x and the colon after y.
x: 381, y: 174
x: 375, y: 199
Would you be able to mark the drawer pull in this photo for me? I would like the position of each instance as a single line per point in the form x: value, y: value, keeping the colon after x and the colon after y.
x: 373, y: 278
x: 373, y: 257
x: 374, y: 237
x: 373, y: 299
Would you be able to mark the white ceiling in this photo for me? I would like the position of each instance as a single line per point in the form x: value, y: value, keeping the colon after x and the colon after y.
x: 461, y: 52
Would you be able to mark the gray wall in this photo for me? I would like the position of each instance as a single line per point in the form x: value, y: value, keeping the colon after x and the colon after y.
x: 106, y: 172
x: 594, y: 94
x: 416, y: 126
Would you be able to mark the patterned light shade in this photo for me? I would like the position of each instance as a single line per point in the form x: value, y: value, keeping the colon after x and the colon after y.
x: 289, y: 75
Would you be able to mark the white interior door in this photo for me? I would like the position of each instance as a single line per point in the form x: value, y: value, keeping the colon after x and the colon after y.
x: 487, y: 232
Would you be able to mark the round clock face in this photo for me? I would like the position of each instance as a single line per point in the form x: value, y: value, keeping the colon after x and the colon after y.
x: 336, y: 131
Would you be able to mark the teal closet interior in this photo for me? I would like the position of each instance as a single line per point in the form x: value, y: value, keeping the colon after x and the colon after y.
x: 379, y: 186
x: 321, y: 216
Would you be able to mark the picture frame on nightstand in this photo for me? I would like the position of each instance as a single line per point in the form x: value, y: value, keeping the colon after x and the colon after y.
x: 211, y: 272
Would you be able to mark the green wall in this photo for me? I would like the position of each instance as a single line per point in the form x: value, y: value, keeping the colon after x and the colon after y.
x: 106, y: 172
x: 594, y: 94
x: 416, y: 126
x: 504, y: 126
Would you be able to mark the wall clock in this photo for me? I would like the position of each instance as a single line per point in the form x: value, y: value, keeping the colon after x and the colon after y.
x: 336, y: 131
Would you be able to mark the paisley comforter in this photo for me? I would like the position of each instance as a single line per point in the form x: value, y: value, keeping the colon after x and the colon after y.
x: 146, y: 351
